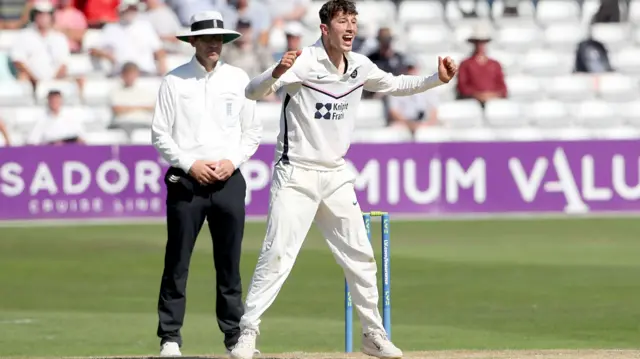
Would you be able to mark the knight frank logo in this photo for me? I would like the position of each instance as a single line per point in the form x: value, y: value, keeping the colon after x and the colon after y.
x: 330, y: 111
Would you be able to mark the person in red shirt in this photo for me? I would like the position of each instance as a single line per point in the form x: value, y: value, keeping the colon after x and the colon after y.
x: 479, y: 76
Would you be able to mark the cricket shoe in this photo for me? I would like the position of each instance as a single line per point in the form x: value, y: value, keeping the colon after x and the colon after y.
x: 170, y: 349
x: 246, y: 346
x: 377, y: 344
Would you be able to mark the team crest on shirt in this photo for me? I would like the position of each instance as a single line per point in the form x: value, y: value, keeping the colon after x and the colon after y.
x: 229, y: 109
x: 354, y: 74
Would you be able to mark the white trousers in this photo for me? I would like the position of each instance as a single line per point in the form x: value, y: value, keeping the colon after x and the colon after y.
x: 298, y: 197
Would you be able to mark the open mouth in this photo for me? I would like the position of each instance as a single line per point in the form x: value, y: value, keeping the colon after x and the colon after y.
x: 348, y: 39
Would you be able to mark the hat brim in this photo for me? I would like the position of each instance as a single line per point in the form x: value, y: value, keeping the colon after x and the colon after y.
x: 479, y: 39
x: 227, y: 35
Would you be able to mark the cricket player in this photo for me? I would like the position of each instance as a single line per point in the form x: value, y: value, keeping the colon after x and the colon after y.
x: 323, y: 85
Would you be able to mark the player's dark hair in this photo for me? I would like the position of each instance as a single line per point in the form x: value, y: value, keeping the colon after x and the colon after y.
x: 334, y: 7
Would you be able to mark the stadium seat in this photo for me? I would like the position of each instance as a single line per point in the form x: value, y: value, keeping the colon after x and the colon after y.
x: 630, y: 112
x: 504, y: 113
x: 557, y: 11
x: 589, y: 8
x: 151, y: 84
x: 570, y: 87
x: 507, y: 59
x: 371, y: 114
x: 545, y: 62
x: 175, y: 60
x: 311, y: 18
x: 519, y: 134
x: 81, y: 65
x: 617, y: 87
x: 524, y: 87
x: 433, y: 134
x: 566, y: 134
x: 7, y: 39
x: 22, y: 119
x: 626, y: 60
x: 91, y: 39
x: 595, y: 113
x: 380, y: 12
x: 616, y: 133
x: 421, y: 11
x: 14, y: 93
x: 97, y: 117
x: 141, y: 136
x: 518, y: 37
x: 69, y: 89
x: 564, y: 37
x: 268, y: 113
x: 429, y: 37
x: 453, y: 14
x: 613, y: 35
x: 96, y: 91
x: 636, y: 35
x: 382, y: 135
x: 107, y: 137
x: 634, y: 12
x: 460, y: 114
x: 548, y: 113
x: 473, y: 135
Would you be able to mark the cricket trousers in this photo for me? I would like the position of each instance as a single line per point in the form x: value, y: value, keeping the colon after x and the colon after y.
x: 188, y: 204
x: 299, y: 197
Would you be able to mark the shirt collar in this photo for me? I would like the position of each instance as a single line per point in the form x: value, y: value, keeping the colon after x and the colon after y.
x: 199, y: 69
x: 321, y: 54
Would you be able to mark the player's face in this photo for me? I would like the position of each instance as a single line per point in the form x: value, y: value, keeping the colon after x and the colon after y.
x: 208, y: 46
x: 342, y: 30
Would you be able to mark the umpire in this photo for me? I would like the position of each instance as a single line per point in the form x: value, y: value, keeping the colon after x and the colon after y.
x: 205, y: 128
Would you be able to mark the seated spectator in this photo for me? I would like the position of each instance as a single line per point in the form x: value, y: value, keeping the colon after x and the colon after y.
x: 592, y: 56
x: 132, y: 39
x: 293, y: 31
x: 5, y: 134
x: 166, y: 24
x: 283, y: 11
x: 40, y: 52
x: 132, y: 104
x: 609, y: 11
x: 386, y: 58
x: 245, y: 54
x: 15, y: 14
x: 57, y: 126
x: 252, y: 10
x: 71, y: 22
x: 480, y: 77
x: 413, y: 111
x: 98, y: 12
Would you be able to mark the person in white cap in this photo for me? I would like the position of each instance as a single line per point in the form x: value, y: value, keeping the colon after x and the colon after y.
x: 311, y: 179
x: 41, y: 52
x: 206, y: 129
x: 132, y: 39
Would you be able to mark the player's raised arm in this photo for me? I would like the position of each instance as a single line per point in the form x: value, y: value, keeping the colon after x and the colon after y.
x: 274, y: 77
x: 405, y: 85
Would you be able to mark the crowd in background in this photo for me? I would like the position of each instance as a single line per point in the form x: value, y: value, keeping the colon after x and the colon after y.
x: 136, y: 37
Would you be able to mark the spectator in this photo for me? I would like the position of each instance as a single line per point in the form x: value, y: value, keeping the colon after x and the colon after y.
x: 253, y: 58
x: 14, y: 14
x: 57, y: 126
x: 413, y: 111
x: 132, y: 39
x: 5, y: 134
x: 40, y: 52
x: 166, y: 24
x: 252, y: 10
x: 386, y: 58
x: 287, y: 10
x: 132, y: 104
x: 609, y: 11
x: 99, y: 12
x: 293, y: 31
x: 510, y: 8
x: 71, y: 22
x: 185, y: 8
x: 592, y: 56
x: 479, y: 76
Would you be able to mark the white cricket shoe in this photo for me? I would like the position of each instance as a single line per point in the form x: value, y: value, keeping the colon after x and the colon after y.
x: 377, y: 344
x: 246, y: 346
x: 170, y: 349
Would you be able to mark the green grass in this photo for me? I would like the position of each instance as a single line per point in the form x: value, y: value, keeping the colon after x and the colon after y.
x: 92, y: 290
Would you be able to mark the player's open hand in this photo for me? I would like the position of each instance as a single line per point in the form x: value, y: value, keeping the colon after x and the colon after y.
x: 224, y: 170
x: 447, y: 69
x: 288, y: 59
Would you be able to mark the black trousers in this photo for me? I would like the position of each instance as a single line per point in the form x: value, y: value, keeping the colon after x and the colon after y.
x: 188, y: 204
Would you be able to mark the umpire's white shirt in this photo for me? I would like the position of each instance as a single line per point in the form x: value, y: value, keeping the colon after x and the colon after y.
x: 202, y: 115
x: 321, y: 104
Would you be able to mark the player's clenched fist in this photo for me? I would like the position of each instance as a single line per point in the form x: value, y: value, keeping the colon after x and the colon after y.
x: 285, y: 63
x: 447, y: 69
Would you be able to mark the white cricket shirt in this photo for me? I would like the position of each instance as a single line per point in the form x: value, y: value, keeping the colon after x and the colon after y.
x: 320, y: 105
x: 203, y: 115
